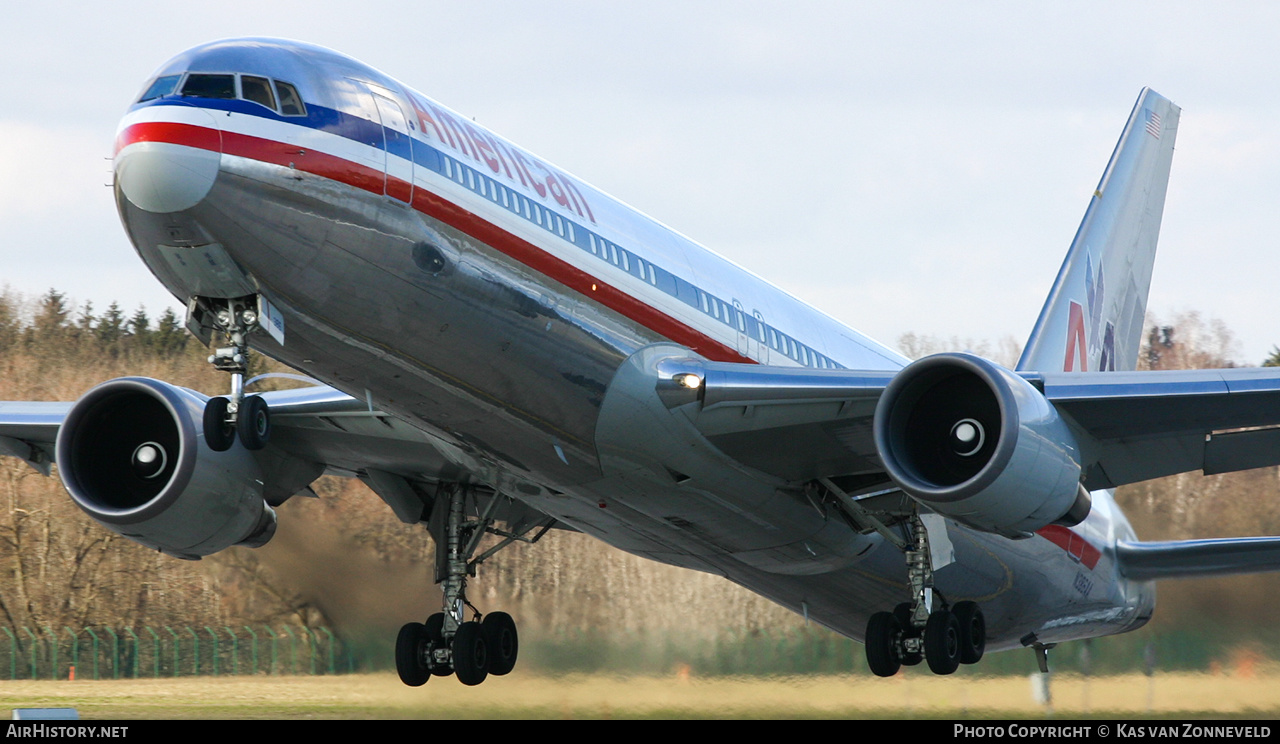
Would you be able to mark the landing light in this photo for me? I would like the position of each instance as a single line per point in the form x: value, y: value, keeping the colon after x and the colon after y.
x: 688, y: 380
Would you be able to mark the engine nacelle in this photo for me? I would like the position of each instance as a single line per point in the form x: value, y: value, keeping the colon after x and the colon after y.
x: 132, y: 454
x: 977, y: 443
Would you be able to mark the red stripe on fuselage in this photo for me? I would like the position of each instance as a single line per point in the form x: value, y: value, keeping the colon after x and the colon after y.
x: 436, y: 206
x: 172, y: 133
x: 1069, y: 541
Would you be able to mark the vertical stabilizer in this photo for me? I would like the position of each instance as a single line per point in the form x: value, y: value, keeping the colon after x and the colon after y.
x: 1093, y: 318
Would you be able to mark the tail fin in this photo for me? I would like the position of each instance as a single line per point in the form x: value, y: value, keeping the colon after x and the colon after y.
x: 1094, y: 315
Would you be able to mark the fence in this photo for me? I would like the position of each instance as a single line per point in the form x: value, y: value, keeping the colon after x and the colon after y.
x: 110, y: 653
x: 163, y: 651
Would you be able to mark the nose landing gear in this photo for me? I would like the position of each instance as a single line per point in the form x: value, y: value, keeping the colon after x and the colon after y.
x: 225, y: 418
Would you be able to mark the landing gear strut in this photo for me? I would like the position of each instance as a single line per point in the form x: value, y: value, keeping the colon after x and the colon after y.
x: 944, y: 636
x: 225, y: 418
x: 448, y: 643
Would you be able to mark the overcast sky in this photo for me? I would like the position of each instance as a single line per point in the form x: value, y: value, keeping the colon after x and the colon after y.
x: 902, y: 166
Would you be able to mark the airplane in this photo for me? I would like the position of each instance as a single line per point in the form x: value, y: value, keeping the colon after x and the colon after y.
x: 496, y: 347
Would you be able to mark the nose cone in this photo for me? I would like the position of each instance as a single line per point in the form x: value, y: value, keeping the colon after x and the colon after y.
x: 157, y: 174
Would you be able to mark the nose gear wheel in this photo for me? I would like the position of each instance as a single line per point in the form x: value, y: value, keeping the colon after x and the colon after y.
x: 225, y: 418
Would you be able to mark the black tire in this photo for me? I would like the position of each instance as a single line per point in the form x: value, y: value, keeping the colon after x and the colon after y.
x: 503, y: 643
x: 470, y: 654
x: 942, y: 642
x: 409, y: 653
x: 973, y: 631
x: 435, y: 637
x: 903, y: 613
x: 253, y: 423
x: 217, y: 433
x: 881, y: 641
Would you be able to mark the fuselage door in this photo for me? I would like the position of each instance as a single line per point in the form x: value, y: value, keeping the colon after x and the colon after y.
x: 761, y: 341
x: 740, y: 325
x: 399, y: 148
x: 396, y: 141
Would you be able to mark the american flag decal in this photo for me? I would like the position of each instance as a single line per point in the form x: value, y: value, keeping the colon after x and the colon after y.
x: 1153, y: 124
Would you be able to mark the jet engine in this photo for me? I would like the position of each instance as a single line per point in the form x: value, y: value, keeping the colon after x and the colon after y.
x: 132, y: 455
x: 975, y: 442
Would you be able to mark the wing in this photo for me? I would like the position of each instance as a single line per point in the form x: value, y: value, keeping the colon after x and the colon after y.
x: 180, y: 506
x: 1039, y: 438
x: 802, y: 424
x: 29, y: 430
x: 1143, y: 425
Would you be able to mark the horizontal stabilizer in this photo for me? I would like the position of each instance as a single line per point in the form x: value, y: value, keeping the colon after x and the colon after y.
x: 1182, y: 559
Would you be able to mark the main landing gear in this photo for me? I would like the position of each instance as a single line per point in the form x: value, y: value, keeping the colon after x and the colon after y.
x: 448, y: 643
x: 924, y: 629
x: 236, y: 415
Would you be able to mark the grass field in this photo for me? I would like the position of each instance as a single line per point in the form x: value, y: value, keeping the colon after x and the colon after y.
x: 382, y: 696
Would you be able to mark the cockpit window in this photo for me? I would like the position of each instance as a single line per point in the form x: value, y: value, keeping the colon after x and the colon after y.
x: 163, y: 86
x: 210, y: 86
x: 290, y: 102
x: 258, y: 90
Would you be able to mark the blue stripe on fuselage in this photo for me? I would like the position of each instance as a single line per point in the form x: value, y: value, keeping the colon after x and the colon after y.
x: 422, y: 153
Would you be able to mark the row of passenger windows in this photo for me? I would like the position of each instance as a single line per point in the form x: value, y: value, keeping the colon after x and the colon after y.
x: 610, y: 252
x: 515, y: 203
x: 269, y: 93
x: 276, y: 95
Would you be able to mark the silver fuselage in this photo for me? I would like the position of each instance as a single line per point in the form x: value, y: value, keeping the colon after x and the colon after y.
x: 489, y: 299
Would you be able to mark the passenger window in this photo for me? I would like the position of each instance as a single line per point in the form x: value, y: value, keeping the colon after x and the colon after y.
x: 163, y: 86
x: 258, y: 90
x: 290, y: 102
x: 210, y: 86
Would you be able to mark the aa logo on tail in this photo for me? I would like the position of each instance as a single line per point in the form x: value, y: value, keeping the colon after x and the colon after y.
x: 1084, y: 346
